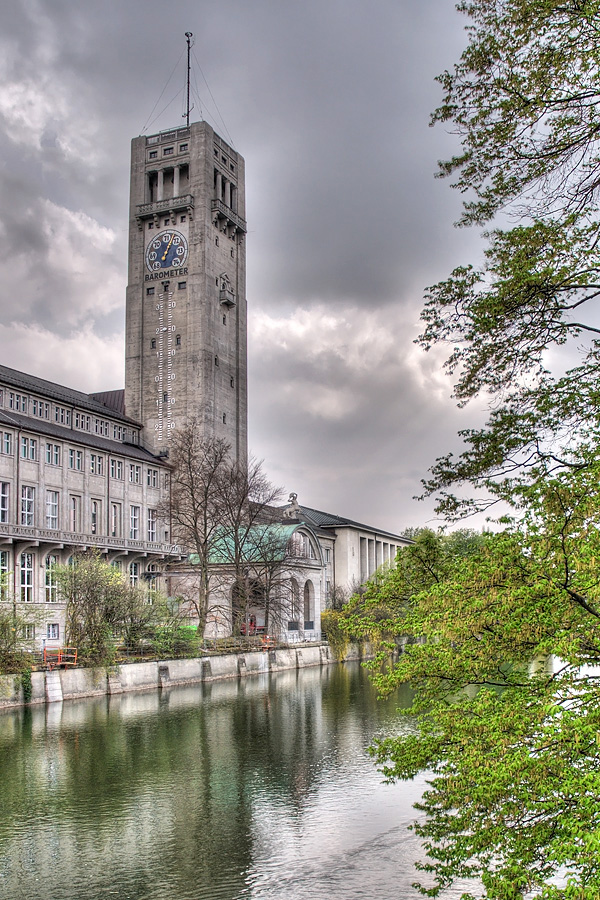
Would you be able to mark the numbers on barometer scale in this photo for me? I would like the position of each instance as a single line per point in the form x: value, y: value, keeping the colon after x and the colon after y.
x: 165, y: 353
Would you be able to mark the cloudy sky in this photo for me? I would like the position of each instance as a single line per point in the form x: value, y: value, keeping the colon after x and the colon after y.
x: 328, y: 101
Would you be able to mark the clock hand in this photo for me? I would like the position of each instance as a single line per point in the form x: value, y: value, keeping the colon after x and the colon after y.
x: 164, y: 256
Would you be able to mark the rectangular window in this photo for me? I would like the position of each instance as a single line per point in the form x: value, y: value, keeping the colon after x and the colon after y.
x: 168, y: 151
x: 26, y: 577
x: 27, y: 505
x: 153, y: 154
x: 75, y: 513
x: 51, y: 584
x: 152, y: 478
x: 28, y: 448
x: 96, y: 516
x: 52, y: 509
x: 150, y: 292
x: 62, y: 415
x: 327, y: 555
x: 52, y: 631
x: 4, y: 570
x: 116, y: 469
x: 28, y: 632
x: 152, y: 524
x: 118, y: 432
x: 7, y: 443
x: 53, y: 454
x: 96, y: 464
x: 76, y: 460
x: 134, y: 523
x: 115, y: 519
x: 4, y: 500
x: 134, y: 573
x: 183, y: 148
x: 135, y: 474
x: 181, y: 285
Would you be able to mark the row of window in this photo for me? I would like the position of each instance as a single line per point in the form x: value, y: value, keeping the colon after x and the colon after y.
x: 25, y: 583
x: 168, y: 151
x: 76, y: 460
x: 27, y: 513
x: 64, y: 416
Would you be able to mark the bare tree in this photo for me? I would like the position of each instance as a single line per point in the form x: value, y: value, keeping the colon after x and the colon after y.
x: 220, y: 512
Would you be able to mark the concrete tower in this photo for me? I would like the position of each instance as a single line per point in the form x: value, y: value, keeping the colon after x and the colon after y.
x: 186, y: 295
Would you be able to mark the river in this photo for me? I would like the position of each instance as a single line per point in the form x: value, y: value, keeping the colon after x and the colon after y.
x: 257, y: 788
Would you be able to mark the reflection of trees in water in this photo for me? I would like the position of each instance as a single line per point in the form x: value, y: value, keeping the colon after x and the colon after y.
x: 173, y: 779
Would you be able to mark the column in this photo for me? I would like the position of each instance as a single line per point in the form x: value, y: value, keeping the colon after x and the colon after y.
x: 176, y: 181
x: 160, y: 185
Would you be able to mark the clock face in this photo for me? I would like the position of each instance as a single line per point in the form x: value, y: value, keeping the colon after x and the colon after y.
x: 166, y: 250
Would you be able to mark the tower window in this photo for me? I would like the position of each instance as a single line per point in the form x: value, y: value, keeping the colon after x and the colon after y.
x: 216, y: 152
x: 149, y: 292
x: 168, y: 151
x: 167, y: 221
x: 165, y: 398
x: 153, y: 154
x: 183, y: 148
x: 182, y: 218
x: 216, y: 242
x: 232, y: 382
x: 224, y: 320
x: 178, y: 340
x: 231, y: 166
x: 216, y: 360
x: 153, y: 344
x: 224, y: 418
x: 181, y: 285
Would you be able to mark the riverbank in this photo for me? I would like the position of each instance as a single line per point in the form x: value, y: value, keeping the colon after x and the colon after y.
x: 74, y: 684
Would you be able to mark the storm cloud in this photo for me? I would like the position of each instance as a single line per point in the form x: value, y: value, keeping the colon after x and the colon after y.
x: 329, y: 103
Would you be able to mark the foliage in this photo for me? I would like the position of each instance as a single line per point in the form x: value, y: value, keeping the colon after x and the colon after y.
x: 334, y: 632
x: 508, y: 710
x: 504, y: 637
x: 524, y: 101
x: 174, y: 641
x: 13, y: 647
x: 26, y: 685
x: 102, y: 607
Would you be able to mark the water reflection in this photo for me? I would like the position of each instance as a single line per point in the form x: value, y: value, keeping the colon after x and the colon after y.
x: 258, y: 788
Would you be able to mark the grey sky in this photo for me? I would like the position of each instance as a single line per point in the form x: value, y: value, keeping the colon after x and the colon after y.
x: 329, y: 104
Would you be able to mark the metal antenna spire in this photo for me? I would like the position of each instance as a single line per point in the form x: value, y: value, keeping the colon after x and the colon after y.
x: 189, y: 37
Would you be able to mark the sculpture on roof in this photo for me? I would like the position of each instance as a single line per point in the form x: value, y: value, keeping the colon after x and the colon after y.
x: 293, y: 510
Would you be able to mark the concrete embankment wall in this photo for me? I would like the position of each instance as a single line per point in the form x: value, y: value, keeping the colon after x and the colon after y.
x: 72, y: 684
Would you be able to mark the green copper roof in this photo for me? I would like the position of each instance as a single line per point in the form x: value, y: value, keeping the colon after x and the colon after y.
x: 259, y: 543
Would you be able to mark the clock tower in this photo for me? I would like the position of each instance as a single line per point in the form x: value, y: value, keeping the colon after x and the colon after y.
x: 186, y: 294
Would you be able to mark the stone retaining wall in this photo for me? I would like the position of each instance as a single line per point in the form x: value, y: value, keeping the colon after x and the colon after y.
x: 79, y: 682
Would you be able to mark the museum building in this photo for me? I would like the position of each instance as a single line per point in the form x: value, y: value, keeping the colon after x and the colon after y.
x: 81, y: 471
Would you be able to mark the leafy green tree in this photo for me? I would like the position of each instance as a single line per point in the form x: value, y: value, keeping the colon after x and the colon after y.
x: 523, y: 100
x: 507, y: 708
x: 102, y: 607
x: 506, y: 639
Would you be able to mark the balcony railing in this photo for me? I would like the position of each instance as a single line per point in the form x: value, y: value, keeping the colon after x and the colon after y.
x: 103, y: 542
x: 224, y: 212
x: 157, y: 207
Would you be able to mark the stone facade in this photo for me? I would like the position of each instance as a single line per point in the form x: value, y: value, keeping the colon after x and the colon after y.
x: 73, y: 476
x: 84, y: 471
x: 186, y: 297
